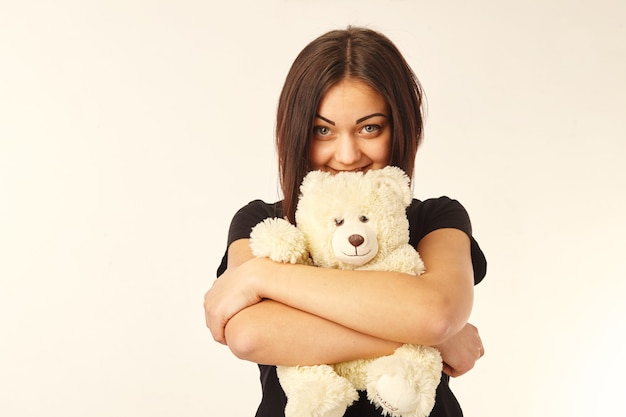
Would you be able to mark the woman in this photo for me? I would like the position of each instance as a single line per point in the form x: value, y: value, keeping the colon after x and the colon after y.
x: 350, y: 103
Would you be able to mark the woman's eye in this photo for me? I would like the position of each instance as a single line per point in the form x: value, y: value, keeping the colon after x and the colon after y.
x: 321, y: 130
x: 370, y: 128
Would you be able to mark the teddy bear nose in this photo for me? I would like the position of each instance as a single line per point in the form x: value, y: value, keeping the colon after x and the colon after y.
x: 356, y: 240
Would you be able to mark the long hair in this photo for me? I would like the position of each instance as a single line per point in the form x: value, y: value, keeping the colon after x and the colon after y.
x: 355, y: 52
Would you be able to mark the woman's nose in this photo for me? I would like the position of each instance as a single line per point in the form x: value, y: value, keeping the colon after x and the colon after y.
x: 347, y: 151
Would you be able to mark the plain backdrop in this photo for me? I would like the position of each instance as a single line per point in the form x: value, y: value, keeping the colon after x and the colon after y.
x: 131, y: 131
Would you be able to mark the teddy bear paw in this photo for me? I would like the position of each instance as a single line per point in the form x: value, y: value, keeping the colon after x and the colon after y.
x: 278, y: 240
x: 404, y: 385
x: 395, y: 395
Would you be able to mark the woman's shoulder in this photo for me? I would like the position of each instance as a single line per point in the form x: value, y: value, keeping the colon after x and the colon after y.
x: 260, y: 208
x: 249, y: 216
x: 436, y: 213
x: 444, y: 212
x: 245, y: 219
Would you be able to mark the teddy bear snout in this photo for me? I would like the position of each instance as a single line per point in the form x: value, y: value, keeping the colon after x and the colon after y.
x: 356, y: 240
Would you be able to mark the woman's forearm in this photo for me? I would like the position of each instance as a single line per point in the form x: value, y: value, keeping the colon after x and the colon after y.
x: 273, y: 333
x: 386, y: 305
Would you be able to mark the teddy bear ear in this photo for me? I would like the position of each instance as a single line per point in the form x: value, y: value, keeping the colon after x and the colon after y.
x: 394, y: 180
x: 312, y: 179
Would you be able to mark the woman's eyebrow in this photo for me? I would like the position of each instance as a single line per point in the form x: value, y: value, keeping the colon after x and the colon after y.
x: 325, y: 119
x: 362, y: 119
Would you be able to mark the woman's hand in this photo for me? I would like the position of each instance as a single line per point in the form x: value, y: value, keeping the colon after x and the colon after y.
x: 234, y: 290
x: 461, y: 351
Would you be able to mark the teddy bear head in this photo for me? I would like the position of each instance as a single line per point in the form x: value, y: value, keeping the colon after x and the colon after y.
x: 352, y: 218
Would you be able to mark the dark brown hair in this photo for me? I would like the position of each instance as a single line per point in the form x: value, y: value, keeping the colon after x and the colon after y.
x: 355, y: 52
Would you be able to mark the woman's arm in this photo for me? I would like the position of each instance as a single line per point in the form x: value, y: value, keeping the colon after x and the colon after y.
x: 272, y: 333
x: 276, y: 334
x: 461, y: 351
x: 433, y: 307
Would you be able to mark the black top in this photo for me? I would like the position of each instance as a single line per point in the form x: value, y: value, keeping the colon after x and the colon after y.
x: 424, y: 217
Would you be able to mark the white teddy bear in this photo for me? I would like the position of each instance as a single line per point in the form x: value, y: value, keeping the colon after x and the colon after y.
x: 353, y: 220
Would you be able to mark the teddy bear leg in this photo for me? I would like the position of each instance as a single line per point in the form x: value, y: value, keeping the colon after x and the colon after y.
x: 354, y: 371
x: 404, y: 384
x: 315, y: 391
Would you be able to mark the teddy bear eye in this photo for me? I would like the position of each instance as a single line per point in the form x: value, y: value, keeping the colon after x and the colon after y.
x: 338, y: 222
x: 364, y: 219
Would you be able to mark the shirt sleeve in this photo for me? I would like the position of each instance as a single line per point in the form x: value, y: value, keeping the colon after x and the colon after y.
x: 244, y: 220
x: 444, y: 212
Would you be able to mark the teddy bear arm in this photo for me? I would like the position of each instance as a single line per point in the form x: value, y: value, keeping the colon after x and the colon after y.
x: 410, y: 259
x: 280, y: 241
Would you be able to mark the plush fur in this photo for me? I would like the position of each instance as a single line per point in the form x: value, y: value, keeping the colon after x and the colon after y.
x: 353, y: 220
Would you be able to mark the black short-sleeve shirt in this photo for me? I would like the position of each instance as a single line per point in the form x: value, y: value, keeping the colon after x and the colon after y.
x: 424, y: 217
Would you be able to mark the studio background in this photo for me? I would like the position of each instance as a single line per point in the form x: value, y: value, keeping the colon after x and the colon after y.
x: 131, y: 131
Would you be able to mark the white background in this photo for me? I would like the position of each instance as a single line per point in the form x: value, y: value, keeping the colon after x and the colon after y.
x: 131, y: 131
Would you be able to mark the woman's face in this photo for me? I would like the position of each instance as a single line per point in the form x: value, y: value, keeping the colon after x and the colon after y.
x: 352, y: 130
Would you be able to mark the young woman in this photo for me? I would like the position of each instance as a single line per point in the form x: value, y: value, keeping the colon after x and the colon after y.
x: 350, y: 103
